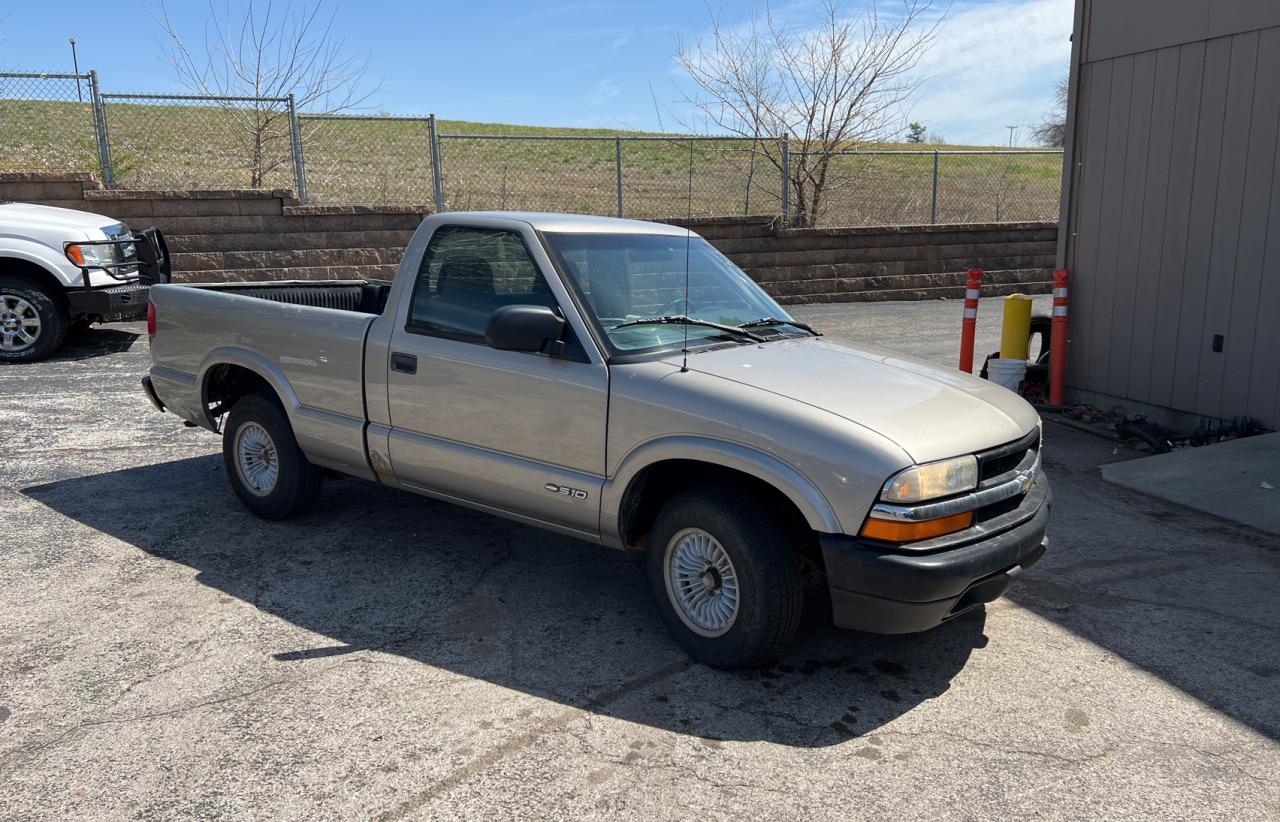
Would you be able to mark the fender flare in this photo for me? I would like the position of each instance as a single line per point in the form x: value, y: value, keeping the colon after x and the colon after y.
x: 788, y: 480
x: 251, y: 361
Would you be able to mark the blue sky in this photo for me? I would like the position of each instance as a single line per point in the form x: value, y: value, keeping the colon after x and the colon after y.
x: 569, y: 63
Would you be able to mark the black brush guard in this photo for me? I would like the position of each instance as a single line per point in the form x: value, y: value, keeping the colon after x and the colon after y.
x: 146, y: 252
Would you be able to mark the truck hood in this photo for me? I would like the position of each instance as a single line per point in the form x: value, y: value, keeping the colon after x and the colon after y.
x: 930, y: 412
x: 21, y: 216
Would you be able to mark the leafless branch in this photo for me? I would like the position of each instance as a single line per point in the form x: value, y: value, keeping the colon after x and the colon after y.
x: 830, y: 87
x: 261, y: 51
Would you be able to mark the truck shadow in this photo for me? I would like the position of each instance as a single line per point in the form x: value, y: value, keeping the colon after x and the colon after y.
x: 96, y: 342
x: 376, y: 569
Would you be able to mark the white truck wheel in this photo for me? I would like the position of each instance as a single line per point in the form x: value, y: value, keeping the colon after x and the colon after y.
x: 33, y: 322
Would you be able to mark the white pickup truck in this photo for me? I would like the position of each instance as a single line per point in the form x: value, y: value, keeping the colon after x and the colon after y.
x: 62, y: 269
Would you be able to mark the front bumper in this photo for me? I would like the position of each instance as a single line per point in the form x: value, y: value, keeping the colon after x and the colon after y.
x: 884, y: 590
x: 127, y: 301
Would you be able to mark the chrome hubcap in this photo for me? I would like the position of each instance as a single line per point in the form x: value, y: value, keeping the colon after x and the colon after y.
x: 701, y: 582
x: 256, y: 460
x: 19, y: 323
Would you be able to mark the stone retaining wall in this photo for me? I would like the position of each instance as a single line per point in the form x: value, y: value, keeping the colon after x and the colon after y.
x: 244, y: 235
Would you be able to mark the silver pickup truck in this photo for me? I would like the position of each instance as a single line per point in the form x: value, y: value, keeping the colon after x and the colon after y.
x: 622, y: 382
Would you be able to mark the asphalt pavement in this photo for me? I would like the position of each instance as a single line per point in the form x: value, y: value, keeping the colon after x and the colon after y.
x: 164, y: 655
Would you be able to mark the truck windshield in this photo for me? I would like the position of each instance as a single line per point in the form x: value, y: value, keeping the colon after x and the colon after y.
x: 634, y: 285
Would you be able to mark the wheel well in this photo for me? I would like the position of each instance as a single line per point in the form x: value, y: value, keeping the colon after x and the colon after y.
x: 15, y: 267
x: 226, y: 383
x: 654, y: 485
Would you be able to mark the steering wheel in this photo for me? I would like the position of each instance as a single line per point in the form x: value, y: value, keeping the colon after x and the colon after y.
x: 673, y: 307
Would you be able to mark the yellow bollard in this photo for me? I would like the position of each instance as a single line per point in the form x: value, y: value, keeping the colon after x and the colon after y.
x: 1015, y: 335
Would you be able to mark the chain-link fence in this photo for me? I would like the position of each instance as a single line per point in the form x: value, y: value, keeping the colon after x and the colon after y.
x: 942, y: 186
x: 48, y: 123
x: 368, y: 159
x: 171, y: 141
x: 58, y: 122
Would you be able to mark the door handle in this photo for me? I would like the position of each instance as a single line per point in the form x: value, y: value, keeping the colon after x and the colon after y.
x: 404, y: 363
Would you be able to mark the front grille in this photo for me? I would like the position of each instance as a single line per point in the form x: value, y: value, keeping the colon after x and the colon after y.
x: 996, y: 463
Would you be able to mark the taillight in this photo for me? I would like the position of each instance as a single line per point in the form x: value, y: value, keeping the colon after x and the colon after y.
x: 151, y: 319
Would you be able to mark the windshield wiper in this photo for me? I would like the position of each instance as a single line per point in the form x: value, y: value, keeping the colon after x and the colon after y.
x: 763, y: 321
x: 683, y: 319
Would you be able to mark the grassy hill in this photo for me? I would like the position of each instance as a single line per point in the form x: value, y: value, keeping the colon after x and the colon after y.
x: 389, y: 161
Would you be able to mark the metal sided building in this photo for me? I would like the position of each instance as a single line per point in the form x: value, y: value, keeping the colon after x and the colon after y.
x: 1171, y: 208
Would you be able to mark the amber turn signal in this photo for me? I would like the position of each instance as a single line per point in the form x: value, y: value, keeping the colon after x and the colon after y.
x: 898, y: 531
x: 75, y: 255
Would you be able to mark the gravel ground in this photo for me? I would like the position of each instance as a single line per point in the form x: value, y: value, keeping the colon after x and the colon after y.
x: 165, y: 655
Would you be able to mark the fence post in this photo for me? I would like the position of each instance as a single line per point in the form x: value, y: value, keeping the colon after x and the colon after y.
x: 786, y: 180
x: 617, y: 162
x: 299, y: 165
x: 100, y: 128
x: 437, y: 172
x: 933, y: 209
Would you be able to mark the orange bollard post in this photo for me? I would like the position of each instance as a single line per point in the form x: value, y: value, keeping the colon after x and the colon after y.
x: 1058, y: 338
x: 969, y: 326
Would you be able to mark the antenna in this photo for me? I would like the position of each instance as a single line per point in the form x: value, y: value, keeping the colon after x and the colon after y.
x: 688, y: 239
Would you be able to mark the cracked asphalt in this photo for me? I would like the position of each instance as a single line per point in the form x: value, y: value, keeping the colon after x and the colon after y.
x: 164, y: 655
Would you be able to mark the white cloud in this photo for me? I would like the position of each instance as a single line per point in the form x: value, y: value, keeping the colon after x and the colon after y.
x: 994, y: 65
x: 605, y: 91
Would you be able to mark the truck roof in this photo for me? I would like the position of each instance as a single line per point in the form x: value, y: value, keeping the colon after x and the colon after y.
x: 578, y: 223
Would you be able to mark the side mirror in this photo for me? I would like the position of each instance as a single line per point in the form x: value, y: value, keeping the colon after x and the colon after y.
x: 524, y: 328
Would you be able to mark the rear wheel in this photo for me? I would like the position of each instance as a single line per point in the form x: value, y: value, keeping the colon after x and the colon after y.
x: 726, y: 578
x: 33, y: 323
x: 267, y: 469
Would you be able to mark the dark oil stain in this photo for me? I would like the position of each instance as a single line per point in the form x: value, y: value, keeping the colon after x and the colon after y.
x: 842, y: 729
x: 885, y: 666
x: 4, y: 713
x: 662, y: 698
x: 869, y: 753
x: 849, y: 719
x: 891, y: 695
x: 1264, y: 671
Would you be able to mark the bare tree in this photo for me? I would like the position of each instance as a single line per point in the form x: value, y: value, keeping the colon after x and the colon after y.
x: 833, y: 86
x: 1053, y: 131
x: 264, y: 54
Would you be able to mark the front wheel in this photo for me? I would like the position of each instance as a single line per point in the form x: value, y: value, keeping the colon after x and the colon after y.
x: 33, y: 323
x: 726, y: 578
x: 267, y: 469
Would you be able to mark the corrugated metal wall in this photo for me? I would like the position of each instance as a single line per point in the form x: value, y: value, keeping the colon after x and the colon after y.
x: 1173, y: 225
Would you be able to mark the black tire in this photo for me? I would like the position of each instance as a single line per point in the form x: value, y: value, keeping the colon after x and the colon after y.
x: 296, y: 486
x: 764, y: 561
x: 44, y: 307
x: 1042, y: 324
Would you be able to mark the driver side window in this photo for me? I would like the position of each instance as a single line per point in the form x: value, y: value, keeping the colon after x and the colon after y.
x: 465, y: 275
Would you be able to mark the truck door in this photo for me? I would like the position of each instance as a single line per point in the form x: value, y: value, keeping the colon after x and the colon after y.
x: 523, y: 433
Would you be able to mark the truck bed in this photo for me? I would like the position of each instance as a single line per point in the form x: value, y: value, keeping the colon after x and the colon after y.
x: 306, y: 338
x: 364, y: 296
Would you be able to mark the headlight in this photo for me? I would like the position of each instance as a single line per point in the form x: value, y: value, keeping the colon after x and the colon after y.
x: 932, y: 480
x: 87, y: 255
